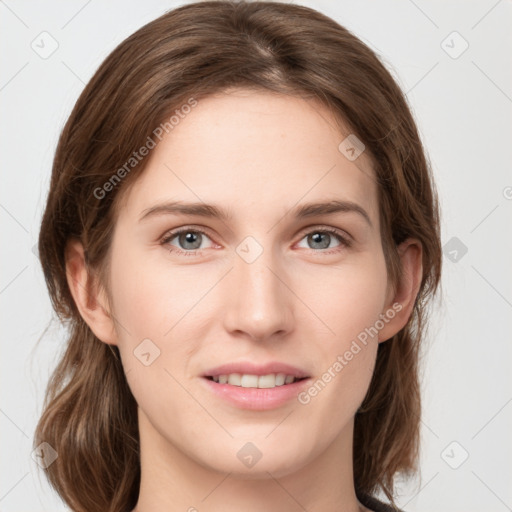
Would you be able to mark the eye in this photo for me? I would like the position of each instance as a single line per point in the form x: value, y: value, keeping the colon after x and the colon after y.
x: 322, y: 238
x: 188, y: 239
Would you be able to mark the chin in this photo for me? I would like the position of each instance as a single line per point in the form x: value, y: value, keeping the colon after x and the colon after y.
x: 275, y: 458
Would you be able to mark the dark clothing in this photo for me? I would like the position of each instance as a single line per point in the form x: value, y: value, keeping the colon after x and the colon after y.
x: 375, y: 505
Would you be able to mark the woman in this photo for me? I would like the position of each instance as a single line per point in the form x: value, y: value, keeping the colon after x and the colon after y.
x: 242, y: 233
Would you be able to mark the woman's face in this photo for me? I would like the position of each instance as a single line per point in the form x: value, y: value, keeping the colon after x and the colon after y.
x: 261, y: 291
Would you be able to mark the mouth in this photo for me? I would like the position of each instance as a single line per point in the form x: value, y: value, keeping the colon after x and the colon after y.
x: 246, y: 385
x: 245, y: 380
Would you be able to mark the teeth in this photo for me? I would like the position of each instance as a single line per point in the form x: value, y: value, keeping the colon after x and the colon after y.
x: 235, y: 379
x: 249, y: 381
x: 280, y: 378
x: 255, y: 381
x: 267, y: 381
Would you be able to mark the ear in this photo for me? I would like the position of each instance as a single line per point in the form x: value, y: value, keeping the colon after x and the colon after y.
x: 88, y: 294
x: 399, y: 305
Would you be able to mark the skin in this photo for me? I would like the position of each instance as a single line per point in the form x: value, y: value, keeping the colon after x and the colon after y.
x: 259, y: 155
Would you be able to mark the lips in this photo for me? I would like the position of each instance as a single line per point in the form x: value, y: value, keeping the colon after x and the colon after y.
x: 250, y: 386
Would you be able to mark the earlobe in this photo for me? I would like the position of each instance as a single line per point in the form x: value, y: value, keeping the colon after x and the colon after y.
x: 400, y: 305
x: 88, y: 294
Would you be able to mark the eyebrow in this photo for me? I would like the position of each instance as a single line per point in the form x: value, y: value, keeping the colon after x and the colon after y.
x: 209, y: 210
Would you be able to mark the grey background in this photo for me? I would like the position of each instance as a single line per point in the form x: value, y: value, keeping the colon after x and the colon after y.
x: 462, y: 101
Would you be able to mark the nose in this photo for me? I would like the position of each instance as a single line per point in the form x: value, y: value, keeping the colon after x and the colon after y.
x: 260, y: 305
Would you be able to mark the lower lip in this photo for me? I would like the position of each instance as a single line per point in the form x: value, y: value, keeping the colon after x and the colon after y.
x: 258, y: 399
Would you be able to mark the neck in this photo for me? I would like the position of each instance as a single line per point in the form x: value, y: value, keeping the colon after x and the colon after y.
x: 173, y: 481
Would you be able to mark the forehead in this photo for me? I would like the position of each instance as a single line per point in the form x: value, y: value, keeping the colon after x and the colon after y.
x: 260, y: 153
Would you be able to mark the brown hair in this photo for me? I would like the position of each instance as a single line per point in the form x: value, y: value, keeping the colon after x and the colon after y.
x: 89, y: 415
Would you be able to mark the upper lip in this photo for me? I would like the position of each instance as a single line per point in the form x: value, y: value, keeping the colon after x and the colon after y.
x: 249, y: 368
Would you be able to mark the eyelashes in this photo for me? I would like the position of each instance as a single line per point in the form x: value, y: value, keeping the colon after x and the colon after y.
x: 343, y: 240
x: 177, y: 233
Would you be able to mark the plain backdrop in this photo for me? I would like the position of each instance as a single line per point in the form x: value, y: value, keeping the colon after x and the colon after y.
x: 452, y: 58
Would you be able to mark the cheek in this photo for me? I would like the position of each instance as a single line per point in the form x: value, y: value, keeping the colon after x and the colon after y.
x: 348, y: 297
x: 159, y: 312
x: 150, y: 298
x: 349, y: 302
x: 150, y: 305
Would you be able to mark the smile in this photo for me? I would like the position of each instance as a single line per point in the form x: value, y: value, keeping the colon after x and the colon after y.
x: 245, y: 380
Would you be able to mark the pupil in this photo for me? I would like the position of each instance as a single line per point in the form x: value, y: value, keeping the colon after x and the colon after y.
x: 189, y: 237
x: 317, y: 239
